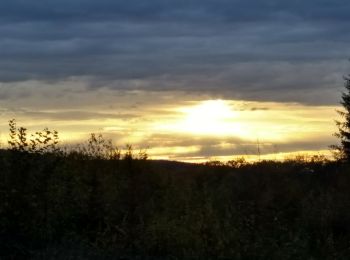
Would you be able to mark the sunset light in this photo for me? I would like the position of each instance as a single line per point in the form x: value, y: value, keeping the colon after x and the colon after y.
x: 198, y: 130
x: 181, y: 87
x: 209, y: 117
x: 174, y: 129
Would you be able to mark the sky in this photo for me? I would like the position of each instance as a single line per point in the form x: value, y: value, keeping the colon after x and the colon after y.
x: 189, y: 80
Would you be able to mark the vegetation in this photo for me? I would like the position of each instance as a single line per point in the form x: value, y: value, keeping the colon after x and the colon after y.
x: 344, y: 126
x: 97, y: 202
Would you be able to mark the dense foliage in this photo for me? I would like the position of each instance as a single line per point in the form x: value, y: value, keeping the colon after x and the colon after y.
x: 96, y: 203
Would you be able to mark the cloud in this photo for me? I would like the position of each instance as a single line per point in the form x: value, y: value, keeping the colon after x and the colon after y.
x: 250, y: 10
x: 71, y: 115
x: 260, y: 50
x: 206, y: 147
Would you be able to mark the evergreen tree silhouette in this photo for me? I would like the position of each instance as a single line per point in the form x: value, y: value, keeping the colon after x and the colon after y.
x: 344, y: 126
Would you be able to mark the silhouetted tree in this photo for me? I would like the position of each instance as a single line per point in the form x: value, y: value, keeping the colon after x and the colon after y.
x: 344, y: 126
x: 45, y: 141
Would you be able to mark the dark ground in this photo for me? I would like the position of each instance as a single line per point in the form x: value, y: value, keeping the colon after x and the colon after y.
x: 72, y: 206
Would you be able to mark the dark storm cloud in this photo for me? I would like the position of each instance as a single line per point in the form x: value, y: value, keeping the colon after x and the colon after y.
x: 274, y: 50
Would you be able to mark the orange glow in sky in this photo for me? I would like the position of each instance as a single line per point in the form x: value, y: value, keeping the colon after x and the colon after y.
x: 197, y: 130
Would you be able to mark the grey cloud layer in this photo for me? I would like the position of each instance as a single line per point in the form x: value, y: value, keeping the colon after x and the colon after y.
x: 276, y: 50
x: 231, y: 10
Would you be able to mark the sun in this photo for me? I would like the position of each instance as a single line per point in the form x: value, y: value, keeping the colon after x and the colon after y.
x: 209, y: 117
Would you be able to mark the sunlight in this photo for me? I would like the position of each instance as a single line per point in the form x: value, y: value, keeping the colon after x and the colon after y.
x: 195, y: 130
x: 209, y: 117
